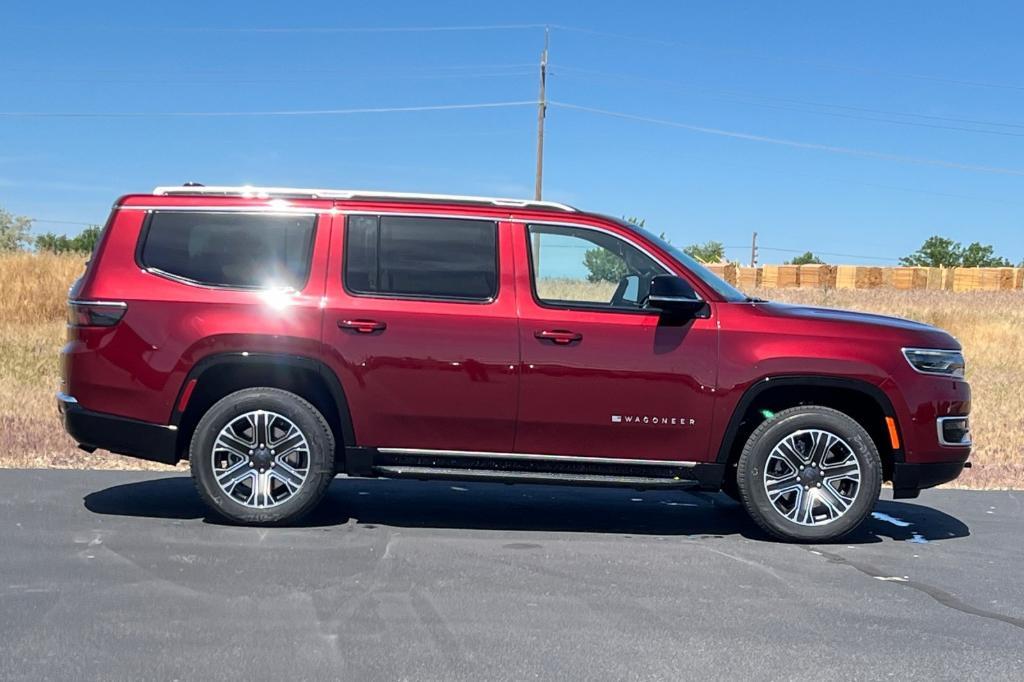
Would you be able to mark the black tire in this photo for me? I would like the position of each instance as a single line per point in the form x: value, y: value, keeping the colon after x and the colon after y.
x: 801, y: 423
x: 304, y: 417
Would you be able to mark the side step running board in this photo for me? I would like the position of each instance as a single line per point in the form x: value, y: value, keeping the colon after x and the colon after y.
x: 451, y: 474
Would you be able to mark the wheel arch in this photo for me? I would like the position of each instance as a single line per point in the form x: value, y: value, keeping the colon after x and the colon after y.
x: 862, y: 401
x: 218, y: 375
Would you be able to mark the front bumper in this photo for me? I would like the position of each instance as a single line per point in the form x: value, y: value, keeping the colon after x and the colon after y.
x: 94, y: 430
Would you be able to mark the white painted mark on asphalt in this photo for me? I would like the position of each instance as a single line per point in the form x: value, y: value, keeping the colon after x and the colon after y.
x: 915, y: 537
x: 879, y: 516
x: 892, y: 578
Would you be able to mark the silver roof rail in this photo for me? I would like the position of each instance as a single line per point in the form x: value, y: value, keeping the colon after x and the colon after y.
x: 248, y: 191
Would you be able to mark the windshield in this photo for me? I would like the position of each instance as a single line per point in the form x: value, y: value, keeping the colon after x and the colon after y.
x: 723, y: 288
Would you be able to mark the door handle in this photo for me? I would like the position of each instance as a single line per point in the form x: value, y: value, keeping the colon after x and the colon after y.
x: 559, y: 336
x: 362, y: 326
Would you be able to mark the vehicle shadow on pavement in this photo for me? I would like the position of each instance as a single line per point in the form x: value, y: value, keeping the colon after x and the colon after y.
x: 540, y: 508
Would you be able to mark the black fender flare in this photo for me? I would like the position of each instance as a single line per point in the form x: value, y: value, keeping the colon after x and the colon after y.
x: 244, y: 358
x: 770, y: 382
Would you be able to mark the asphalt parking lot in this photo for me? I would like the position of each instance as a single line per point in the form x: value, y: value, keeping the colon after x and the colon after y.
x: 120, y: 575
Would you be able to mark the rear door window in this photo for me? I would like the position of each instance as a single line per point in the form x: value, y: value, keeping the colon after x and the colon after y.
x: 422, y: 257
x: 237, y: 250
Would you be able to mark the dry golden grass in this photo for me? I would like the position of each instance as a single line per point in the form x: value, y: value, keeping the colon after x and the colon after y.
x: 33, y: 289
x: 565, y: 289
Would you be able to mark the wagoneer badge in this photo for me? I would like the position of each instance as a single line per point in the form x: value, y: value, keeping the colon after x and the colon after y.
x: 661, y: 421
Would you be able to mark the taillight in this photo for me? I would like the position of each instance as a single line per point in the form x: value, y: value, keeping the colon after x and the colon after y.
x: 95, y: 313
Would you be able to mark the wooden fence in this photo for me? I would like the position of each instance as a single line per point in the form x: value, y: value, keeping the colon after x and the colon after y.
x: 868, y: 277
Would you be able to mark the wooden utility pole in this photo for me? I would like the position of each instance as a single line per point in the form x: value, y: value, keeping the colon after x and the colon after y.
x: 542, y: 106
x: 753, y: 251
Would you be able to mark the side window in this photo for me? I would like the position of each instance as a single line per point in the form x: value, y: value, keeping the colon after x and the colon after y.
x: 242, y: 250
x: 422, y: 257
x: 581, y: 267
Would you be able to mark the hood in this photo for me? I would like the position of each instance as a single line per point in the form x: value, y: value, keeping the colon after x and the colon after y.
x: 926, y: 332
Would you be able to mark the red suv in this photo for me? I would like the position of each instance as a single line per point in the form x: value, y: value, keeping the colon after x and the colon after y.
x: 277, y: 337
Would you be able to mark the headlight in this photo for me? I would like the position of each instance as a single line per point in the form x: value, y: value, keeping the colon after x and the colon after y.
x: 948, y: 363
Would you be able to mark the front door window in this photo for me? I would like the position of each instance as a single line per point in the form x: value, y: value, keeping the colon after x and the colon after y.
x: 578, y: 267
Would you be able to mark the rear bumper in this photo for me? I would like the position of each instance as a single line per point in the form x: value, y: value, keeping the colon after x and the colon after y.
x: 96, y: 430
x: 909, y: 478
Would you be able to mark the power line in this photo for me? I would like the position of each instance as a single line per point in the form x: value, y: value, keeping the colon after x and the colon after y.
x: 832, y: 149
x: 365, y: 29
x: 315, y: 29
x: 557, y: 69
x: 733, y: 94
x: 243, y: 80
x: 560, y: 27
x: 214, y: 76
x: 494, y: 105
x: 817, y: 253
x: 296, y: 112
x: 347, y: 69
x: 61, y: 222
x: 806, y: 62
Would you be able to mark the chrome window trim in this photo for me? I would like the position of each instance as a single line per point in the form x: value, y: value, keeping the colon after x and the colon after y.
x: 933, y: 350
x: 157, y: 272
x: 585, y: 226
x: 532, y: 456
x: 942, y: 436
x: 114, y: 304
x: 425, y: 298
x: 420, y: 214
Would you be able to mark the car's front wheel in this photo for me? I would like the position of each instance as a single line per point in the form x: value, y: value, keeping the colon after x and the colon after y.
x: 809, y: 474
x: 262, y: 456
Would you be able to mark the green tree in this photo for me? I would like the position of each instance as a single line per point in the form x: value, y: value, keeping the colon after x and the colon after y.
x: 942, y: 252
x: 83, y: 242
x: 604, y: 266
x: 14, y: 231
x: 708, y: 252
x: 936, y: 252
x: 982, y: 256
x: 806, y: 258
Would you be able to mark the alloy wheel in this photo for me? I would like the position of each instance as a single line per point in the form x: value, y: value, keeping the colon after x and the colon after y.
x: 812, y: 477
x: 260, y: 459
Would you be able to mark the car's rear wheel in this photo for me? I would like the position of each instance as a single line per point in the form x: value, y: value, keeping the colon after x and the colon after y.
x: 262, y: 456
x: 809, y: 474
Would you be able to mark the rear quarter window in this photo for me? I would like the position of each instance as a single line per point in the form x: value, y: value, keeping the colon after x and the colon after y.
x: 237, y: 250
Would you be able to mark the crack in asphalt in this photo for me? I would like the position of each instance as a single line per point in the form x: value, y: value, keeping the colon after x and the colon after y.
x: 941, y: 596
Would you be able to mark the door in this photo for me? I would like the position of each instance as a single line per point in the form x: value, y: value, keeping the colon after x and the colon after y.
x: 420, y: 327
x: 601, y: 376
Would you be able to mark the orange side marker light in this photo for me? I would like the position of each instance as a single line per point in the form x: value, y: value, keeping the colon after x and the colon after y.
x: 894, y: 437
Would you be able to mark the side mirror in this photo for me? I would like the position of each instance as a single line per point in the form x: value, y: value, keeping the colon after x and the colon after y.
x: 671, y: 294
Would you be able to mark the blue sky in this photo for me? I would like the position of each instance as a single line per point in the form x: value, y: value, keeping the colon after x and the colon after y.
x: 797, y: 81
